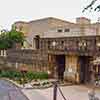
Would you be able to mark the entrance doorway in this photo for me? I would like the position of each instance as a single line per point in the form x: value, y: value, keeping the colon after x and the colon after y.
x: 60, y: 62
x: 84, y: 69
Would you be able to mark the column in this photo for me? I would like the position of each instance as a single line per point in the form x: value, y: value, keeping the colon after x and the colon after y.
x: 66, y: 68
x: 16, y: 65
x: 71, y: 65
x: 5, y: 54
x: 1, y: 52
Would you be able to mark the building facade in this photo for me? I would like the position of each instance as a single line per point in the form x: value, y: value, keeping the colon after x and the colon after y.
x: 53, y: 27
x: 58, y: 45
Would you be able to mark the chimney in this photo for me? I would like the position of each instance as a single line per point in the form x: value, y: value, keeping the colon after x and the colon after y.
x: 83, y: 20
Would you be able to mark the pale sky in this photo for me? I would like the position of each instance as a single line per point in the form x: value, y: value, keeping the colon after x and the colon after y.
x: 26, y: 10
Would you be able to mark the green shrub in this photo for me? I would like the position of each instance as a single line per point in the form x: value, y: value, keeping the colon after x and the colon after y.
x: 36, y: 75
x: 10, y: 74
x: 16, y: 75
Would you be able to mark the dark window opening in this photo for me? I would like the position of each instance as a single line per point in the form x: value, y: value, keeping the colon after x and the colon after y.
x: 48, y: 44
x: 62, y: 42
x: 59, y: 30
x: 66, y: 30
x: 37, y: 41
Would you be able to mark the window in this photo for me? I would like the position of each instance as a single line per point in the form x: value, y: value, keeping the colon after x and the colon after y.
x: 37, y: 41
x: 82, y: 45
x: 48, y: 44
x: 66, y: 30
x: 62, y: 42
x: 59, y: 30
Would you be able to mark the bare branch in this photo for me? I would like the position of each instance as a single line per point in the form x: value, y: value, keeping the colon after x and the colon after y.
x: 97, y: 8
x: 89, y: 6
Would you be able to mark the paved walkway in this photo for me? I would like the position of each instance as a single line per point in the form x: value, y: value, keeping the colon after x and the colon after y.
x: 9, y: 91
x: 70, y: 92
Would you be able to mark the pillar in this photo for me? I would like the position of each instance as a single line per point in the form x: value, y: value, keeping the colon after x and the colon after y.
x: 71, y: 66
x: 16, y: 65
x: 5, y: 53
x: 2, y: 53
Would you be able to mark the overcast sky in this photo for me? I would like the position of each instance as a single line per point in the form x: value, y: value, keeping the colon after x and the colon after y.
x: 26, y: 10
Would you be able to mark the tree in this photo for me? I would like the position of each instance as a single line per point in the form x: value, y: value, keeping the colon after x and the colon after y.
x: 15, y: 36
x: 9, y: 38
x: 92, y: 6
x: 4, y: 44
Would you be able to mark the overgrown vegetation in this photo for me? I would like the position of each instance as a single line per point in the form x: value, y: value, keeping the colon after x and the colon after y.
x: 37, y: 75
x: 10, y: 74
x: 29, y: 76
x: 9, y: 38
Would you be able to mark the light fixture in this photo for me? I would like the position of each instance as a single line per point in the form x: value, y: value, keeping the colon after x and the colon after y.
x: 54, y: 43
x: 48, y: 72
x: 98, y: 44
x: 84, y: 44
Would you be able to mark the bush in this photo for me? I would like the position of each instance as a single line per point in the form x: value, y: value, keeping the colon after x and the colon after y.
x: 37, y: 75
x: 16, y: 75
x: 10, y: 74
